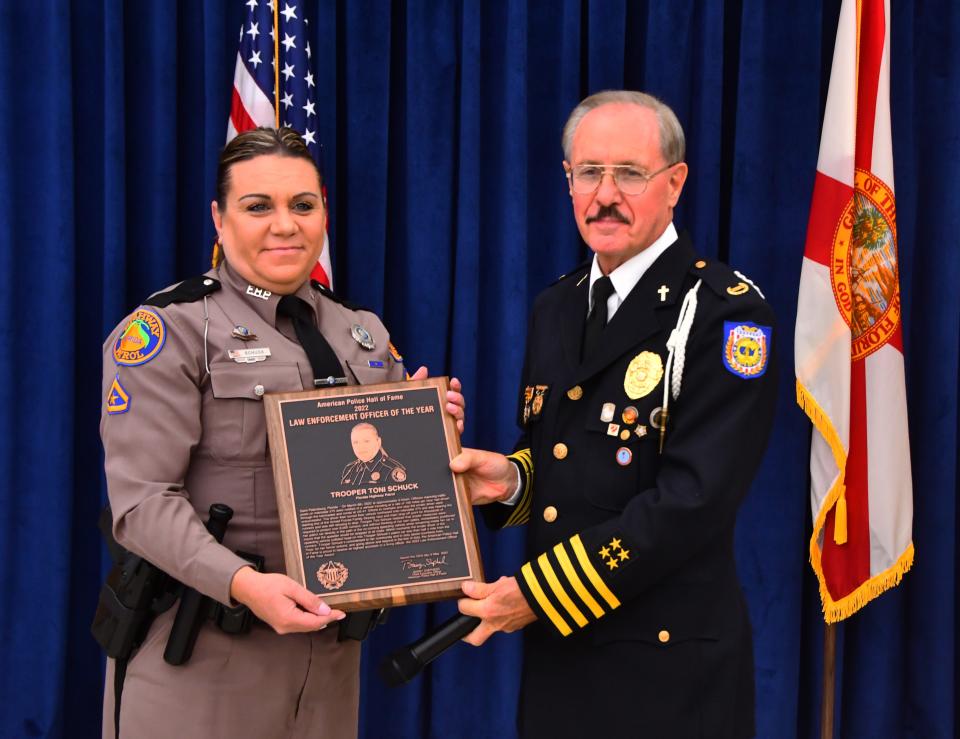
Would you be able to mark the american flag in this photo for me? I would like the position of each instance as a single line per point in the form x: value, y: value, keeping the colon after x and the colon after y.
x: 274, y: 85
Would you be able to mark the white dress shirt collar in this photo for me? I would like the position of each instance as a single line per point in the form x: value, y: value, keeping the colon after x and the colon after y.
x: 627, y: 275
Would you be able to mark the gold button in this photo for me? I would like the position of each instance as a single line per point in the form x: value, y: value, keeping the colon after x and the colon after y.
x: 560, y: 450
x: 624, y: 434
x: 664, y: 636
x: 700, y: 264
x: 549, y: 514
x: 575, y: 393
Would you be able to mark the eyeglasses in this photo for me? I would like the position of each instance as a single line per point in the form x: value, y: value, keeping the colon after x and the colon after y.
x: 585, y: 178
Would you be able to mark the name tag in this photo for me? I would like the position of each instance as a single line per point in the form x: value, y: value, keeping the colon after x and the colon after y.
x: 246, y: 356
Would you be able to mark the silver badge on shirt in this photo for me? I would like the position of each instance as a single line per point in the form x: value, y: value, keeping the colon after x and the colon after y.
x: 362, y: 337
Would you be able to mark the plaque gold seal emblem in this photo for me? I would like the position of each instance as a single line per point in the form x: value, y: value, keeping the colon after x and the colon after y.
x: 643, y: 375
x: 332, y: 575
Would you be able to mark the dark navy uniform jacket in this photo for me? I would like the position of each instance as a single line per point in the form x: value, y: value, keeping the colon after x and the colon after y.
x: 642, y: 627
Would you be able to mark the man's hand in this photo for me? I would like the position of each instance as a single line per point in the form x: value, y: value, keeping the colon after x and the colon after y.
x: 490, y: 477
x: 456, y: 405
x: 500, y: 606
x: 283, y: 603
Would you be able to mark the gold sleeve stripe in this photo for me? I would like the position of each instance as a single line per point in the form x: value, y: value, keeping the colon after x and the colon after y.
x: 591, y: 573
x: 575, y: 580
x: 565, y: 600
x: 545, y: 604
x: 521, y: 512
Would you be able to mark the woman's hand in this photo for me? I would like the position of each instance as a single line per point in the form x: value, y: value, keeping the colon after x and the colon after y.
x: 279, y: 601
x: 456, y: 405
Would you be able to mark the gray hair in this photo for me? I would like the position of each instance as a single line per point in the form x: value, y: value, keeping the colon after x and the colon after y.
x: 672, y: 143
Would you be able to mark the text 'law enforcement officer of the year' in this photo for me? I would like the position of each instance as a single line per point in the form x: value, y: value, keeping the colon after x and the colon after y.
x: 183, y: 427
x: 645, y: 404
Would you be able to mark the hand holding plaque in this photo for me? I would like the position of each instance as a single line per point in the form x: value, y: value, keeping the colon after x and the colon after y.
x: 370, y: 513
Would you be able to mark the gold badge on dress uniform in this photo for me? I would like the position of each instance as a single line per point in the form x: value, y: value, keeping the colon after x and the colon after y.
x: 362, y: 337
x: 607, y: 411
x: 643, y: 375
x: 374, y: 476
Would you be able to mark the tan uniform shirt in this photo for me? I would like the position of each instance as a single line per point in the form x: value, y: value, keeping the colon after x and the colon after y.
x: 186, y: 428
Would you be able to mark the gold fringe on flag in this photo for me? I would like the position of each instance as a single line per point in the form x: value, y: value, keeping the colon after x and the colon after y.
x: 837, y: 610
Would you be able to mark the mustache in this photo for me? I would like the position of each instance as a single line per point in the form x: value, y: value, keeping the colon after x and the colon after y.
x: 608, y: 211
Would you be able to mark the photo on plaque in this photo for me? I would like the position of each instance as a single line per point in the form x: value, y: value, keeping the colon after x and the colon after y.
x: 370, y: 513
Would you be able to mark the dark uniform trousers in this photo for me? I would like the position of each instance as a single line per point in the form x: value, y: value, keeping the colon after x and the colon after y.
x: 642, y: 628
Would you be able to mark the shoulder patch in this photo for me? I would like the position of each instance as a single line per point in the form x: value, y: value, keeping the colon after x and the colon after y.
x: 187, y: 291
x: 141, y: 340
x: 746, y: 348
x: 328, y: 293
x: 395, y: 353
x: 118, y: 400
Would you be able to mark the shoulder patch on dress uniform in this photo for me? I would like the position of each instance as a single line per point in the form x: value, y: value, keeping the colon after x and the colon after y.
x: 187, y: 291
x: 746, y: 348
x: 328, y: 293
x: 141, y: 340
x: 118, y: 400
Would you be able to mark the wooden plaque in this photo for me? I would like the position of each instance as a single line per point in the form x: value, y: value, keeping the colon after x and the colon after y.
x: 370, y: 513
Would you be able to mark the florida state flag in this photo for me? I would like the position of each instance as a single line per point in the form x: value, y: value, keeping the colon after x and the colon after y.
x: 849, y: 344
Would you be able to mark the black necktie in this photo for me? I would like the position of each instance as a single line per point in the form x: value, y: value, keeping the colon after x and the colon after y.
x: 597, y: 320
x: 327, y: 369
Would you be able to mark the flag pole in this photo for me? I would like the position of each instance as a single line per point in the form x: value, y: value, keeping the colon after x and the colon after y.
x: 829, y: 680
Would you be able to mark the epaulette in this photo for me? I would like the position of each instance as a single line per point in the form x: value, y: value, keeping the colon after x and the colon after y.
x: 576, y: 272
x: 328, y: 293
x: 188, y: 291
x: 723, y: 280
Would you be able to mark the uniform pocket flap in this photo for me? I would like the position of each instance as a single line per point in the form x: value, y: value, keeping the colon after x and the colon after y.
x: 370, y: 372
x: 252, y: 381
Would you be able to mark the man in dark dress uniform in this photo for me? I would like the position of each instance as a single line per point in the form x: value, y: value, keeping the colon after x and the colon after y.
x: 646, y: 400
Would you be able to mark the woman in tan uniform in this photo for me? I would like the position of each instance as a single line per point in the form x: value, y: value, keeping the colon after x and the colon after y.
x: 183, y: 427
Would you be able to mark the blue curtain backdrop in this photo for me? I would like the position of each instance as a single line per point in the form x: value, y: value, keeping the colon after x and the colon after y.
x: 441, y: 122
